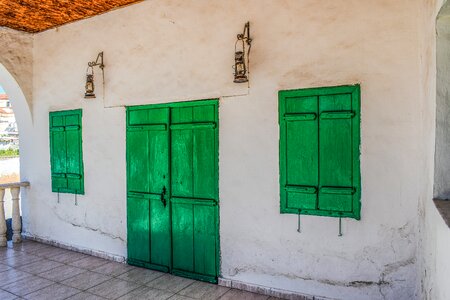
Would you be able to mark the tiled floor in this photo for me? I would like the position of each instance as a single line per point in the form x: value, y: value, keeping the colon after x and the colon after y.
x: 32, y: 270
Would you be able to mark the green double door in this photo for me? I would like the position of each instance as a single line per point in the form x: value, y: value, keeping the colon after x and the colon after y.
x: 172, y: 186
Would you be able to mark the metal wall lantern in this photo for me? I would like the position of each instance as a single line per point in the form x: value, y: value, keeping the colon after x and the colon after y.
x: 241, y: 55
x: 90, y: 87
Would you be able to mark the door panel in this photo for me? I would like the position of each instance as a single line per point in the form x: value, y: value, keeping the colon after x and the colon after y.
x: 138, y: 161
x: 194, y: 181
x: 181, y: 166
x: 138, y: 229
x: 159, y: 232
x: 183, y: 235
x: 203, y: 163
x: 205, y: 239
x: 148, y: 180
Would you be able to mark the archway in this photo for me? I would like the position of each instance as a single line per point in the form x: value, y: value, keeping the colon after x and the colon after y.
x: 22, y: 113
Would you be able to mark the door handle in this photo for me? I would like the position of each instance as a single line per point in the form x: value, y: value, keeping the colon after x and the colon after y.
x: 163, y: 200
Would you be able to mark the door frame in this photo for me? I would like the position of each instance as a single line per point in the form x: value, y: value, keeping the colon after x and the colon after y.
x: 191, y: 103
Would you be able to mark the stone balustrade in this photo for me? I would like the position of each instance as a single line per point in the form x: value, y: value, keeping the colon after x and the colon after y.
x: 16, y: 222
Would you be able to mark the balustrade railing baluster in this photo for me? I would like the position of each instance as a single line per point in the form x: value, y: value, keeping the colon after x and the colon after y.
x: 3, y: 240
x: 16, y: 220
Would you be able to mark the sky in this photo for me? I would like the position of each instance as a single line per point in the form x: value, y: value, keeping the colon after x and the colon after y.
x: 2, y: 91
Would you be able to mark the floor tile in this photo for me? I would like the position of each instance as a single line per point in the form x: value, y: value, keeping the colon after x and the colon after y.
x: 4, y: 295
x: 62, y: 273
x: 89, y: 263
x: 85, y: 296
x: 40, y: 266
x: 86, y: 280
x: 49, y: 252
x: 113, y: 269
x: 12, y: 275
x: 20, y: 260
x: 114, y: 288
x: 54, y: 292
x: 4, y: 268
x: 242, y: 295
x: 144, y: 293
x: 203, y: 290
x: 69, y: 257
x: 141, y: 276
x: 170, y: 283
x: 27, y: 285
x: 29, y: 246
x: 8, y: 252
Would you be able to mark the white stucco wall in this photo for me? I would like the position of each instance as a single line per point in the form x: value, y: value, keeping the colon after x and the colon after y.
x: 165, y: 51
x: 434, y: 234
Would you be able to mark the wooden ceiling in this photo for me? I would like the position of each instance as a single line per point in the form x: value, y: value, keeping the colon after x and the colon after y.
x: 38, y: 15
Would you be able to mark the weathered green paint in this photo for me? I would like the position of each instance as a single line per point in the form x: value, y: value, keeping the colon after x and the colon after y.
x: 319, y: 151
x: 66, y: 153
x: 174, y: 148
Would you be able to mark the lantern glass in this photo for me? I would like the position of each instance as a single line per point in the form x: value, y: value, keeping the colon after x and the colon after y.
x: 89, y: 88
x: 240, y: 70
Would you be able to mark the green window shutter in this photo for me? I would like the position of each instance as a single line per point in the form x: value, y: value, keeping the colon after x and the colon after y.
x: 66, y: 154
x: 319, y: 151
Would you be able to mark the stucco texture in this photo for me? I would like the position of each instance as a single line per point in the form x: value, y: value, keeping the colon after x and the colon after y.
x: 16, y: 55
x: 165, y: 51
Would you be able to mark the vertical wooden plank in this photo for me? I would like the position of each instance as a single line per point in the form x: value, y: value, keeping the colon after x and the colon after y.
x: 138, y: 162
x: 182, y: 236
x: 182, y: 154
x: 356, y: 136
x: 335, y: 152
x: 302, y: 159
x: 160, y: 233
x: 58, y: 152
x: 205, y: 240
x: 74, y: 150
x: 138, y: 229
x: 203, y: 158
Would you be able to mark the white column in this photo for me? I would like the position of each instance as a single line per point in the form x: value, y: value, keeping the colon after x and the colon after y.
x: 16, y: 224
x: 3, y: 240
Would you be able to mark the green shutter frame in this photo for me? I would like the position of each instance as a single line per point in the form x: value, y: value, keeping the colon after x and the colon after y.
x: 66, y: 154
x: 319, y: 151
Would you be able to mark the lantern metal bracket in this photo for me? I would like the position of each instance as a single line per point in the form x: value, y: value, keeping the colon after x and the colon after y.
x: 245, y: 36
x: 89, y: 87
x: 242, y: 62
x: 100, y: 64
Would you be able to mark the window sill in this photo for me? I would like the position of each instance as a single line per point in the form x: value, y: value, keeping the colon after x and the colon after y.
x: 443, y: 206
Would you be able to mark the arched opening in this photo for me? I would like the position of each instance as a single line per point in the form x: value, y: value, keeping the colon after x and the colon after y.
x: 9, y: 147
x: 22, y: 116
x: 21, y: 112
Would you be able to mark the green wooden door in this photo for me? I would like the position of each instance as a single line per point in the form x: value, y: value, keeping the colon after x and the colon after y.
x: 172, y: 159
